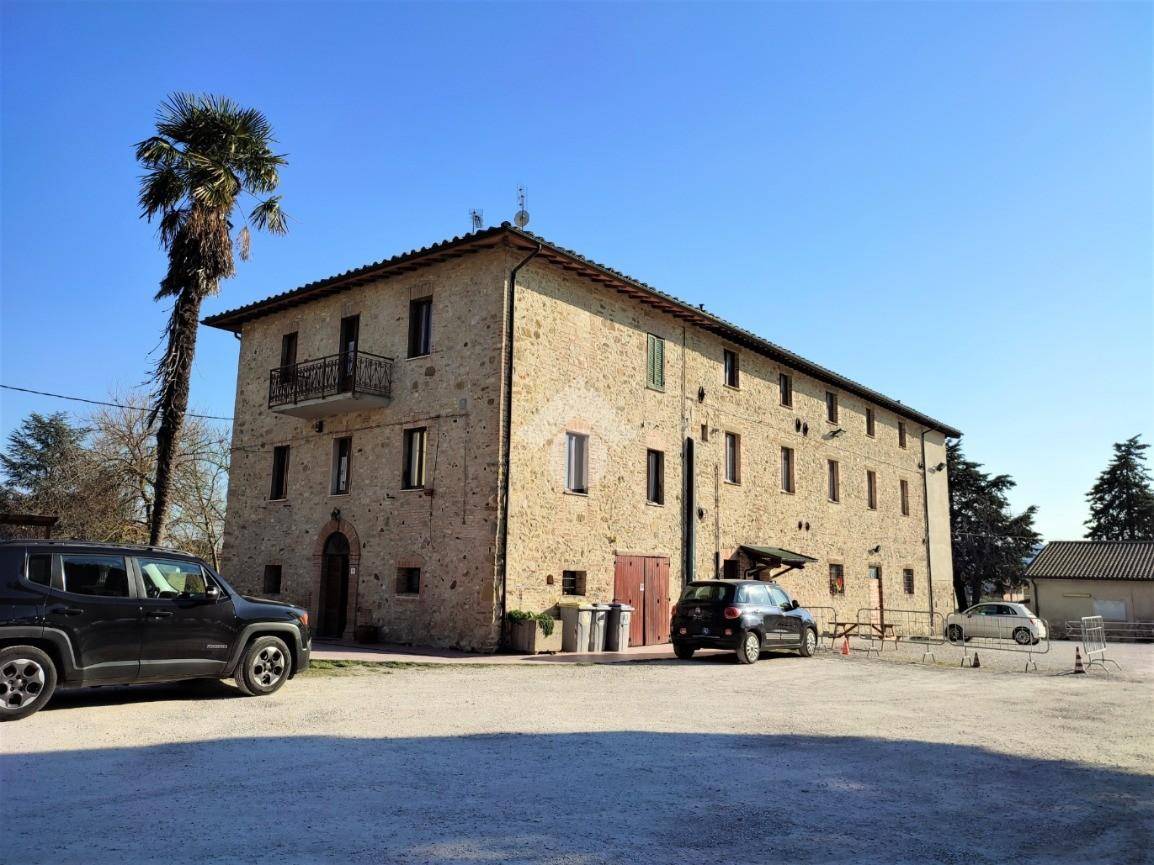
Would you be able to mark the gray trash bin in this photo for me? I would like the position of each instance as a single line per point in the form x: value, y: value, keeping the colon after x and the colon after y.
x: 575, y: 627
x: 617, y: 627
x: 597, y: 627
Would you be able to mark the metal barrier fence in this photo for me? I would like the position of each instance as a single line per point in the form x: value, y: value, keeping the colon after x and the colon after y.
x: 1094, y: 641
x: 1117, y: 632
x: 917, y: 627
x: 997, y: 633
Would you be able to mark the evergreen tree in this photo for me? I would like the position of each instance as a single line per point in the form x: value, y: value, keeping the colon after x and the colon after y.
x: 42, y: 452
x: 990, y: 544
x: 1122, y: 499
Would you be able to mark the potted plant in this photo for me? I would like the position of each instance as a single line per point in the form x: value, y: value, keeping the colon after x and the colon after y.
x: 533, y: 633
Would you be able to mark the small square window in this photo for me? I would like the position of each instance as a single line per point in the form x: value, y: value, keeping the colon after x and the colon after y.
x: 408, y: 581
x: 732, y: 369
x: 573, y: 582
x: 272, y: 579
x: 836, y: 580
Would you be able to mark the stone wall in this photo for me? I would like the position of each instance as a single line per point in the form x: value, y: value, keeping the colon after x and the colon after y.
x: 581, y: 366
x: 449, y: 529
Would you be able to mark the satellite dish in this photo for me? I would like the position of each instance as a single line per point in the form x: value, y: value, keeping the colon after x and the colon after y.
x: 522, y: 218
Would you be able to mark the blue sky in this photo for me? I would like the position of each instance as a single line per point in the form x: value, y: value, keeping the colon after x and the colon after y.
x: 949, y: 203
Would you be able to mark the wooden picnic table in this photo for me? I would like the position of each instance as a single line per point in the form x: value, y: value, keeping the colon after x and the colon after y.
x: 859, y: 629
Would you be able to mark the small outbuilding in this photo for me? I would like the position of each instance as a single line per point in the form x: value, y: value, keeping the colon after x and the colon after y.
x: 1111, y: 579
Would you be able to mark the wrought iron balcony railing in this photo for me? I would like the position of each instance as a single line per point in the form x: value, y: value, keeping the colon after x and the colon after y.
x: 352, y: 373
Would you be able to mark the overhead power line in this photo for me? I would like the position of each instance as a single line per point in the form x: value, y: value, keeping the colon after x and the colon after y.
x: 102, y: 402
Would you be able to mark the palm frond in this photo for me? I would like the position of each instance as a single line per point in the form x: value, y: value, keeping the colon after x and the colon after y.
x: 268, y: 216
x: 244, y: 241
x: 160, y: 190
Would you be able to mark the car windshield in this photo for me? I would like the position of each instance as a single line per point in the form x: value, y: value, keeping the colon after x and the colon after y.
x: 706, y: 592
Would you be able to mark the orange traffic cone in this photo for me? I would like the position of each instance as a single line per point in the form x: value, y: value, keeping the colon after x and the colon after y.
x: 977, y: 663
x: 1078, y: 668
x: 845, y: 645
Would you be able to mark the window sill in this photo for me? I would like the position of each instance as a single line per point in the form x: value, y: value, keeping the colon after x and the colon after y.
x: 415, y: 489
x: 732, y: 483
x: 788, y: 492
x: 731, y: 386
x: 786, y: 405
x: 834, y: 501
x: 407, y: 596
x: 579, y: 493
x: 425, y: 356
x: 655, y: 388
x: 338, y: 495
x: 283, y: 501
x: 654, y: 504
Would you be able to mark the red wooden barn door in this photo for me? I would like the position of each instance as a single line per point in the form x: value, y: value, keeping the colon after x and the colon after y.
x: 643, y: 583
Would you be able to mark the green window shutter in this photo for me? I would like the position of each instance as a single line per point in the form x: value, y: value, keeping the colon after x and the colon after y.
x: 649, y: 352
x: 658, y: 361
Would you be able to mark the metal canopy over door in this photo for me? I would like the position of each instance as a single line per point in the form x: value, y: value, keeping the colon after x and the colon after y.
x: 643, y: 583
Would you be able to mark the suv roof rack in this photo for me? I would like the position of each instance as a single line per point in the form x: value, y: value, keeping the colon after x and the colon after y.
x: 77, y: 542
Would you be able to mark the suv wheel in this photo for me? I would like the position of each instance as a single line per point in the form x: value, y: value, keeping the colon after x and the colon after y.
x: 750, y: 649
x: 27, y: 680
x: 683, y: 651
x: 808, y: 643
x: 264, y: 666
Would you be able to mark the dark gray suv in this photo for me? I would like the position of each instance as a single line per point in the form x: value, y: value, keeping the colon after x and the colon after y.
x: 79, y: 614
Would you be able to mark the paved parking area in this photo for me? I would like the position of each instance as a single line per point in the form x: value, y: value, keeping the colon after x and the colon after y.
x: 790, y: 761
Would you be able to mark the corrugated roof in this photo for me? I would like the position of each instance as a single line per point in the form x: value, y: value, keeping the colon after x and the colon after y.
x: 1094, y: 560
x: 489, y: 238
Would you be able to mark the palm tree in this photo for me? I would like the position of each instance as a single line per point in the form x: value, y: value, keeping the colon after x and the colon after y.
x: 206, y: 152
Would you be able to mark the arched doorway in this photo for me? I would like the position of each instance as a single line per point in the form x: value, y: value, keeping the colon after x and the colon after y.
x: 334, y: 593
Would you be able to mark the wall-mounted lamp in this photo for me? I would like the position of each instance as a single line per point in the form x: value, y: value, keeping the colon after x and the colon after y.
x: 701, y: 394
x: 701, y: 513
x: 875, y: 550
x: 836, y: 432
x: 939, y: 467
x: 336, y: 515
x: 319, y: 426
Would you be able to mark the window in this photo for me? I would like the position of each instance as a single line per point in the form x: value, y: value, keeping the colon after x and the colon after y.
x: 871, y: 490
x: 280, y: 467
x: 105, y: 576
x: 655, y: 362
x: 905, y: 489
x: 420, y: 326
x: 785, y: 385
x: 836, y: 580
x: 787, y: 470
x: 834, y: 481
x: 272, y: 579
x: 408, y: 581
x: 171, y: 578
x: 733, y: 458
x: 871, y: 429
x: 732, y: 372
x: 288, y: 351
x: 731, y: 570
x: 831, y: 406
x: 901, y: 434
x: 413, y: 476
x: 778, y: 598
x: 705, y: 432
x: 40, y: 569
x: 908, y: 580
x: 342, y: 466
x: 875, y: 572
x: 655, y: 477
x: 576, y: 462
x: 752, y: 594
x: 350, y: 338
x: 573, y: 582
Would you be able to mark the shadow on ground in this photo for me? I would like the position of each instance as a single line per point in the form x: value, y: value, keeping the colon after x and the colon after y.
x: 568, y: 798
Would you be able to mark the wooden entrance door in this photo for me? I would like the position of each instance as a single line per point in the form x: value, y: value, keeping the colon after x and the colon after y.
x: 334, y: 595
x: 643, y: 583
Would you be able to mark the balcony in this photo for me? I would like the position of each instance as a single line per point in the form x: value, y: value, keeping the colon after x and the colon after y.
x: 352, y: 381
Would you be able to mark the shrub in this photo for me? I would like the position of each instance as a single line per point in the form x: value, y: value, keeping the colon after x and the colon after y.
x: 546, y: 621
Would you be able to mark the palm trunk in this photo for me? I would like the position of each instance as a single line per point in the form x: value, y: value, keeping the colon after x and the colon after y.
x: 175, y: 372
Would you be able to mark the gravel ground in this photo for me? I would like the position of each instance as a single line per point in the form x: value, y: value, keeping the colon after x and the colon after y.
x: 788, y: 761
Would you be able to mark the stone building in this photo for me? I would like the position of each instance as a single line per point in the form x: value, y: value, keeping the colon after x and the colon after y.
x: 417, y: 449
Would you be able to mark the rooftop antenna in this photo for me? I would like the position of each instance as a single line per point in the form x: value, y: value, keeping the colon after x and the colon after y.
x: 521, y: 219
x: 478, y: 219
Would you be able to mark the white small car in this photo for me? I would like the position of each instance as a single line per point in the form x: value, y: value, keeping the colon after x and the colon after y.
x: 999, y: 621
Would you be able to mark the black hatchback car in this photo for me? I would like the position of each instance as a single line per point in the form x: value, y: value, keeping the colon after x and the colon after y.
x: 82, y: 614
x: 746, y: 616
